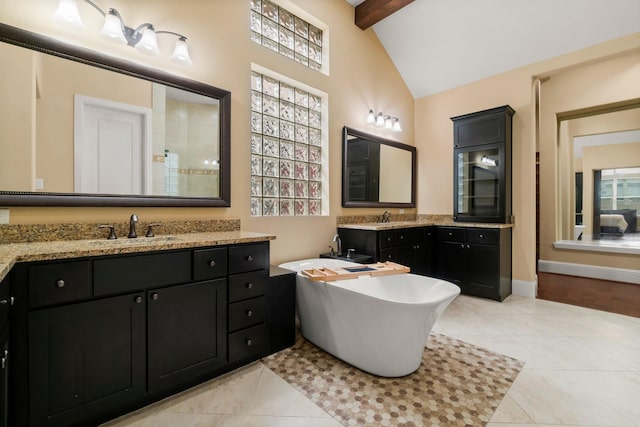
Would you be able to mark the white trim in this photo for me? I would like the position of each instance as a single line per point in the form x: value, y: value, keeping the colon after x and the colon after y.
x: 525, y: 289
x: 592, y: 271
x: 82, y: 101
x: 612, y: 246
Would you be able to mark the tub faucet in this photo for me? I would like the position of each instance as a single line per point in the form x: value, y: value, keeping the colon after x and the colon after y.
x: 336, y: 239
x: 132, y: 226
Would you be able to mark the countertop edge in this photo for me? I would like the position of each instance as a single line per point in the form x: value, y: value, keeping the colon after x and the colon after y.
x: 13, y: 253
x: 414, y: 224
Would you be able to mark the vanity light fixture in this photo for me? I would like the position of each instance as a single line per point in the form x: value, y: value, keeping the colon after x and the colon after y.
x: 381, y: 120
x: 143, y: 37
x: 489, y: 161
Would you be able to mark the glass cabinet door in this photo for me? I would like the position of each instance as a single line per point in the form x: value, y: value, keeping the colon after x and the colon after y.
x: 478, y: 173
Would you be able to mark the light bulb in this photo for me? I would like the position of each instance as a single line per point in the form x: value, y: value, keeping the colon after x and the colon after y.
x: 181, y: 52
x: 396, y: 125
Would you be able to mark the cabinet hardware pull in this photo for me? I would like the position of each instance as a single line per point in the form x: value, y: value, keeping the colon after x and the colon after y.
x: 388, y: 239
x: 450, y: 234
x: 462, y: 245
x: 249, y: 313
x: 4, y: 363
x: 401, y: 237
x: 468, y: 246
x: 249, y: 258
x: 249, y: 285
x: 482, y: 236
x: 155, y: 296
x: 4, y: 302
x: 212, y: 263
x: 60, y: 283
x: 249, y: 341
x: 137, y: 299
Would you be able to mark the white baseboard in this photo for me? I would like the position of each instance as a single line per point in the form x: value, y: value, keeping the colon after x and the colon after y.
x: 523, y: 288
x: 592, y: 271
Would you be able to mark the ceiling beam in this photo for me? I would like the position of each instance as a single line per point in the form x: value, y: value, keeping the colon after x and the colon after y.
x: 370, y: 12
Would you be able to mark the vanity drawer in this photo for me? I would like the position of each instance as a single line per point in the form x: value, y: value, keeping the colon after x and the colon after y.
x: 209, y: 263
x: 247, y: 285
x: 249, y: 257
x: 387, y: 238
x: 483, y: 236
x: 452, y: 234
x: 247, y: 313
x: 59, y: 282
x: 248, y: 342
x: 136, y: 272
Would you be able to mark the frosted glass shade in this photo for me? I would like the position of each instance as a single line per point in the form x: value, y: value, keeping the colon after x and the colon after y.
x: 112, y: 29
x: 67, y: 13
x: 148, y: 43
x: 180, y: 53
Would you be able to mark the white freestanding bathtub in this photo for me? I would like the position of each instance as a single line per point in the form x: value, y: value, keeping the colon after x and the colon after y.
x: 377, y: 324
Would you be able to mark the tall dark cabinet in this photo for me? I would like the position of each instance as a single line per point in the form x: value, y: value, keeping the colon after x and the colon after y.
x: 482, y: 166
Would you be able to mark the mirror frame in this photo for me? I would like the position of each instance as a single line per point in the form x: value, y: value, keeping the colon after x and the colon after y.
x: 346, y: 132
x: 44, y: 44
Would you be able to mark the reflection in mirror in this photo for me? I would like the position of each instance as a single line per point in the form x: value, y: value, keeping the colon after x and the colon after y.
x: 91, y: 131
x: 377, y: 172
x: 606, y: 186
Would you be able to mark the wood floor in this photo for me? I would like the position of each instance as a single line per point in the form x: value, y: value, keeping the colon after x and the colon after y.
x: 615, y: 297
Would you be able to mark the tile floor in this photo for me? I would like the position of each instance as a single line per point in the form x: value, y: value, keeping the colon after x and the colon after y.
x: 582, y: 369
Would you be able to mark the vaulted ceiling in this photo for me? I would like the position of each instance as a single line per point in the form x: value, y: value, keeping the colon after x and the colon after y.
x: 440, y: 44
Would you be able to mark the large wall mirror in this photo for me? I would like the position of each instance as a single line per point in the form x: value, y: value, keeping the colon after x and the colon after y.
x: 599, y: 174
x: 377, y: 172
x: 81, y: 129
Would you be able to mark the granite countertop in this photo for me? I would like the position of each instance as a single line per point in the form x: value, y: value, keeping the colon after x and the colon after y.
x: 376, y: 226
x: 12, y: 253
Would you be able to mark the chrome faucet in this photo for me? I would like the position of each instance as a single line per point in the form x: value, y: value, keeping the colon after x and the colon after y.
x: 386, y: 216
x: 336, y: 239
x: 132, y: 226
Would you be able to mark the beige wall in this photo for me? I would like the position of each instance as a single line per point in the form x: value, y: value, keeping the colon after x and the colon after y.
x: 608, y: 81
x: 17, y: 118
x: 362, y: 77
x: 603, y: 73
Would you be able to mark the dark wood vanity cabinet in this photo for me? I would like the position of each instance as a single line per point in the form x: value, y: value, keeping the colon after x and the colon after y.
x: 482, y: 166
x: 410, y: 246
x: 5, y: 357
x: 476, y: 259
x: 101, y: 336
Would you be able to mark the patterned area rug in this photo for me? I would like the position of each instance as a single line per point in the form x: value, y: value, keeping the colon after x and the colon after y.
x: 457, y: 384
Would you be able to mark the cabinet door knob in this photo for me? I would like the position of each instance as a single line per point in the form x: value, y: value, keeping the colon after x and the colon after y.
x: 137, y: 299
x: 212, y: 263
x: 249, y: 258
x: 389, y: 256
x: 388, y: 239
x: 249, y: 285
x: 60, y: 283
x: 401, y: 237
x: 249, y: 313
x: 249, y: 342
x: 468, y: 247
x: 482, y: 236
x: 4, y: 362
x: 155, y: 296
x: 450, y: 234
x: 462, y: 245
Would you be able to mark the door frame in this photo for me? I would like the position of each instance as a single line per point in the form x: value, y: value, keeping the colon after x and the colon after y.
x: 81, y: 102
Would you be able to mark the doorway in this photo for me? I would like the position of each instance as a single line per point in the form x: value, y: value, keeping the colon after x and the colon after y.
x: 112, y: 147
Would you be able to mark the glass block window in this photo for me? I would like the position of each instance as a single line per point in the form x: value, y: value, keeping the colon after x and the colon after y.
x: 287, y: 156
x: 281, y: 31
